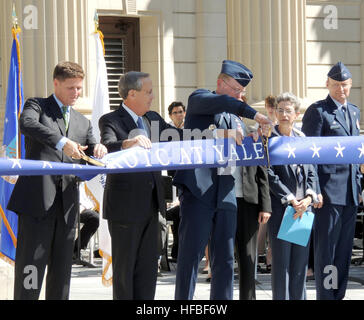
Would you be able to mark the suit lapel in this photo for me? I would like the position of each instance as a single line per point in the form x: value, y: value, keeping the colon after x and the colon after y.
x: 127, y: 120
x: 57, y: 114
x: 72, y: 125
x: 293, y: 168
x: 353, y: 117
x: 234, y: 120
x: 339, y: 116
x: 227, y: 118
x: 149, y: 118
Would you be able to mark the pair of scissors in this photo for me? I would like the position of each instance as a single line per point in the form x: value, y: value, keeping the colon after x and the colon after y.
x: 89, y: 159
x: 265, y: 140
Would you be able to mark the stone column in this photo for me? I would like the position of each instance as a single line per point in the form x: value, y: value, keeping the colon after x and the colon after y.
x: 210, y: 41
x: 269, y: 38
x: 52, y: 31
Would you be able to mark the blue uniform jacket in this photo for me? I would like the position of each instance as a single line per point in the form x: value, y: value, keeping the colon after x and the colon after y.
x: 206, y: 108
x: 340, y: 184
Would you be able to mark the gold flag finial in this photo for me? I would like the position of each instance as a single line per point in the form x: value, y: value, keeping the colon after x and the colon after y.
x: 96, y: 20
x: 14, y: 18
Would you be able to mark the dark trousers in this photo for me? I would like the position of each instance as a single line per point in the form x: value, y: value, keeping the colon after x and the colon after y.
x: 199, y: 223
x: 162, y: 234
x: 246, y: 247
x: 289, y: 262
x: 135, y: 257
x: 173, y: 215
x: 44, y: 242
x: 90, y: 220
x: 333, y: 243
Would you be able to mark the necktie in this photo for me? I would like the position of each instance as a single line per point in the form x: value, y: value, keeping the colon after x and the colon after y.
x: 140, y: 125
x: 346, y: 116
x: 299, y: 174
x: 65, y: 116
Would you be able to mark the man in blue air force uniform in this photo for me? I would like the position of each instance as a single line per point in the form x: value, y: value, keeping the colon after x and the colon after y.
x: 208, y: 202
x: 335, y: 221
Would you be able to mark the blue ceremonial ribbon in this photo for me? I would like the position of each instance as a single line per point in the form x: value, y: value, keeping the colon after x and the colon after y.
x: 317, y: 150
x: 182, y: 155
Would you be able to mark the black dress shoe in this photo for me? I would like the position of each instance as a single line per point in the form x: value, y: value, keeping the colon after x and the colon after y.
x: 97, y: 254
x: 159, y: 274
x: 310, y: 278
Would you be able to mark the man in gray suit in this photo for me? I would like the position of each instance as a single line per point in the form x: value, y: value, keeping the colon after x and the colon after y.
x: 46, y: 205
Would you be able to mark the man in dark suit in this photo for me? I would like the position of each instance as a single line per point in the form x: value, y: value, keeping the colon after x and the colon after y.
x: 132, y: 200
x: 208, y: 202
x: 335, y: 221
x: 46, y: 205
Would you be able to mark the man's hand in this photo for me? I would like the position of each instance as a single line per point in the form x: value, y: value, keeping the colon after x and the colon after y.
x: 141, y: 141
x: 301, y: 207
x: 100, y: 151
x: 320, y: 202
x: 236, y: 134
x: 72, y: 149
x: 262, y: 119
x: 263, y: 217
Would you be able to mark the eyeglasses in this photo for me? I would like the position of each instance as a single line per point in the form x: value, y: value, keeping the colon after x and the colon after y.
x: 236, y: 90
x: 341, y: 85
x: 177, y: 112
x: 282, y: 111
x: 148, y: 92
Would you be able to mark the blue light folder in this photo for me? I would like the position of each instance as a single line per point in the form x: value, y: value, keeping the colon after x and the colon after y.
x: 296, y: 231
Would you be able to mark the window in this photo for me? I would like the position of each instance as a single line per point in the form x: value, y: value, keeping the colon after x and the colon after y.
x: 122, y: 51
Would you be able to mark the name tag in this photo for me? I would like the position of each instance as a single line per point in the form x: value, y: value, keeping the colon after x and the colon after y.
x: 335, y: 126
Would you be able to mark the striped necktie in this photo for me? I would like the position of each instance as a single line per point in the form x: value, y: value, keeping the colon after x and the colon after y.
x: 299, y: 174
x: 65, y: 115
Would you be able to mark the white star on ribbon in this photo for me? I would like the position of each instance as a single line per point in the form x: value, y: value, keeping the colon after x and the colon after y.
x: 16, y: 162
x: 315, y: 150
x: 361, y: 150
x: 47, y: 164
x: 291, y: 151
x: 339, y: 150
x: 77, y: 166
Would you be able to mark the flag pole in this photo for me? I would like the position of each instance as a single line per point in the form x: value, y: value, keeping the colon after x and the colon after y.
x: 98, y: 31
x: 15, y: 31
x: 12, y: 143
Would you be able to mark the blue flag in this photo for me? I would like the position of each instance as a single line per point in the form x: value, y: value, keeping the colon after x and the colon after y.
x: 14, y: 146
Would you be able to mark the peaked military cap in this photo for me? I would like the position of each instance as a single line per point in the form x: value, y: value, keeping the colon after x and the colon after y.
x: 339, y: 72
x: 237, y: 71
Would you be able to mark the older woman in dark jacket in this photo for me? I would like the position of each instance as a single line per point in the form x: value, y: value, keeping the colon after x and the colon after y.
x: 294, y: 185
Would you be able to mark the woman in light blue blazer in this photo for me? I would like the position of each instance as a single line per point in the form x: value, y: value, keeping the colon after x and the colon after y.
x: 293, y: 185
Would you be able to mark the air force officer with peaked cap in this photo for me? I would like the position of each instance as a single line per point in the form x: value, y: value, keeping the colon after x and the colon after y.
x: 335, y: 221
x: 208, y: 202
